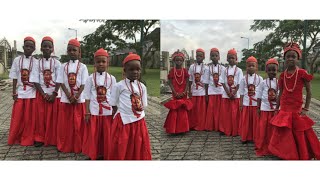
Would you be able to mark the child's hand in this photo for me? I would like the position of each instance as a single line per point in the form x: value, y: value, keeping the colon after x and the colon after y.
x: 114, y: 110
x: 87, y: 117
x: 258, y: 112
x: 303, y: 112
x: 276, y: 112
x: 15, y: 97
x: 190, y: 95
x: 51, y: 98
x: 241, y: 107
x: 207, y: 99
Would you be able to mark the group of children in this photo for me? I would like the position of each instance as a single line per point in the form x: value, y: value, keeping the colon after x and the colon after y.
x: 95, y: 115
x: 267, y: 112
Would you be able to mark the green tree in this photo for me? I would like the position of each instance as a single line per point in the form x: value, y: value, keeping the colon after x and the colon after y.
x: 284, y: 31
x: 122, y: 34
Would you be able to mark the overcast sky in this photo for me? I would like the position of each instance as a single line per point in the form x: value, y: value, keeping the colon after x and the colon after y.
x: 206, y: 34
x: 57, y: 29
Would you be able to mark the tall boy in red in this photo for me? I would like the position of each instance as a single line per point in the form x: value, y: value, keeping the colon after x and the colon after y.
x: 198, y: 84
x: 96, y: 139
x: 215, y: 90
x: 72, y: 76
x: 248, y: 102
x: 24, y: 75
x: 267, y: 101
x: 230, y: 80
x: 48, y: 95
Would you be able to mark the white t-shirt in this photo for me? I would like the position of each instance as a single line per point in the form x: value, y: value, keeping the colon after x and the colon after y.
x: 90, y: 92
x: 121, y: 97
x: 198, y: 89
x: 28, y: 66
x: 238, y: 75
x: 51, y: 65
x: 255, y: 81
x: 213, y: 71
x: 80, y: 80
x: 263, y: 93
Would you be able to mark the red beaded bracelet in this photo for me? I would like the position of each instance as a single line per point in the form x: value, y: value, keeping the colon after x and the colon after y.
x: 305, y: 109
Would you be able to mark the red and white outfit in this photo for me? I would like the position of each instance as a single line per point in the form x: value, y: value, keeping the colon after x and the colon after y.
x: 215, y: 91
x: 267, y: 92
x: 47, y: 115
x: 96, y: 139
x: 293, y: 137
x: 230, y: 113
x: 198, y: 74
x: 24, y: 108
x: 177, y: 120
x: 248, y: 126
x: 71, y: 120
x: 129, y: 133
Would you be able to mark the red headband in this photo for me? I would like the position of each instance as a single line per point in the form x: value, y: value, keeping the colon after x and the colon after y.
x: 74, y: 42
x: 252, y: 59
x: 131, y: 57
x: 272, y: 61
x: 200, y: 50
x: 214, y: 50
x: 29, y: 38
x: 177, y: 54
x: 47, y: 38
x: 292, y: 47
x: 101, y: 52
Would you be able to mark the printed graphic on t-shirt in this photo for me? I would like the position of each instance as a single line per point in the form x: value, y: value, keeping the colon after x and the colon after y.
x: 101, y: 94
x: 197, y: 80
x: 47, y: 77
x: 136, y: 102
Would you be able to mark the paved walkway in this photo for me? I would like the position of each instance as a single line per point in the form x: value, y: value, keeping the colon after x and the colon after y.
x: 17, y: 152
x: 202, y: 145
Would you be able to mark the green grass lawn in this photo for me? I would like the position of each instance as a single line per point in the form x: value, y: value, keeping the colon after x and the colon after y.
x: 315, y: 84
x: 152, y: 78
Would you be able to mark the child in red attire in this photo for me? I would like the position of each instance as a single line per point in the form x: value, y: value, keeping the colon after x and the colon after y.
x: 177, y: 119
x: 267, y: 101
x: 97, y: 130
x: 24, y: 75
x: 248, y: 102
x: 215, y: 90
x: 48, y: 95
x: 230, y: 80
x: 73, y: 75
x: 293, y: 137
x: 198, y: 85
x: 129, y: 132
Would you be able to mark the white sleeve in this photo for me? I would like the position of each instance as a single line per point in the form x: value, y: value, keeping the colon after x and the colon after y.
x: 35, y: 75
x: 240, y: 75
x: 114, y: 82
x: 84, y: 75
x: 87, y: 88
x: 241, y: 87
x: 14, y: 69
x: 144, y: 96
x: 57, y: 68
x: 222, y: 77
x: 206, y: 75
x: 260, y: 90
x: 60, y: 76
x: 115, y: 92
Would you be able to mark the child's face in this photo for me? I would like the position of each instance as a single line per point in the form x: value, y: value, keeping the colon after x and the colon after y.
x: 199, y: 57
x: 215, y: 57
x: 73, y: 52
x: 101, y: 63
x: 178, y: 60
x: 28, y: 48
x: 231, y: 58
x: 132, y: 69
x: 291, y: 58
x: 251, y: 67
x: 47, y: 48
x: 272, y: 70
